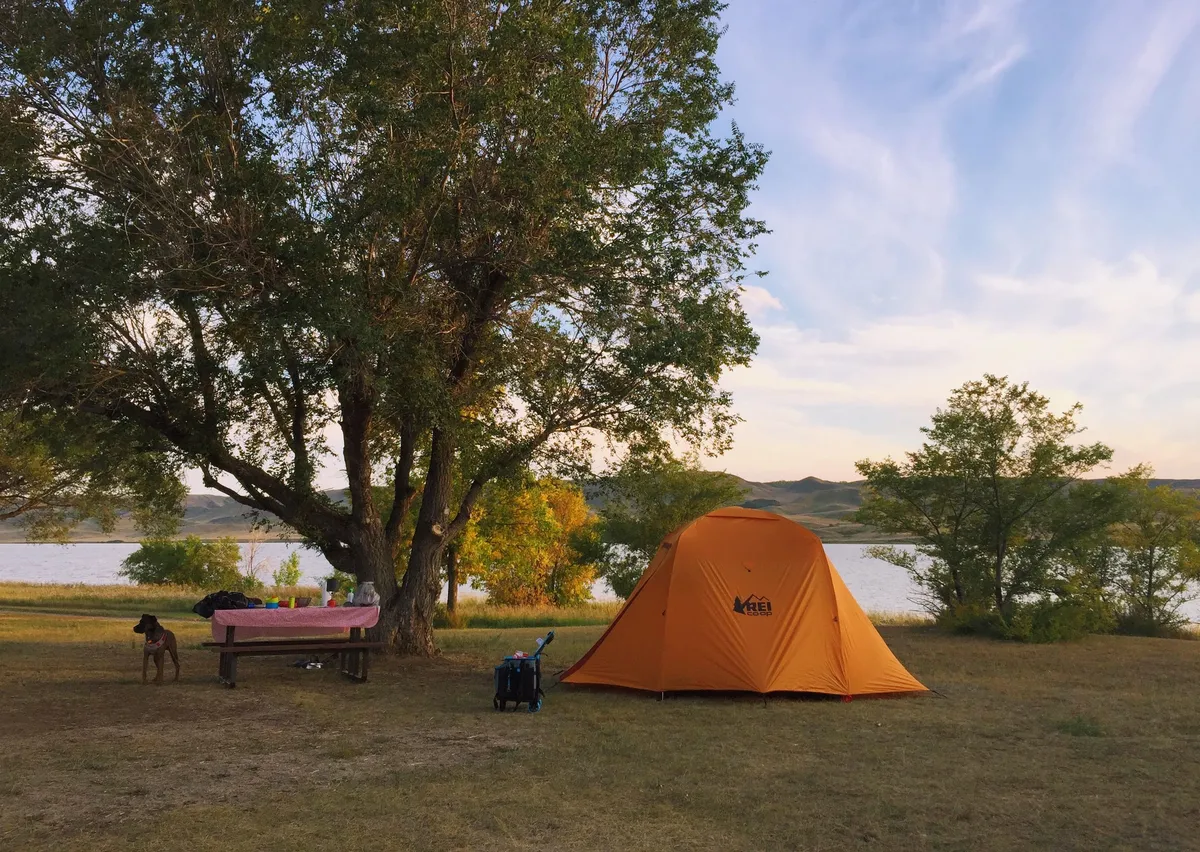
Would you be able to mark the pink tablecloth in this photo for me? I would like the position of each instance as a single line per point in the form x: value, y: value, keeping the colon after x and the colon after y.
x: 305, y: 621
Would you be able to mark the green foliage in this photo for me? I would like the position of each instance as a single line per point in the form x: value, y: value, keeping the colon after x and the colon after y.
x: 651, y: 496
x: 525, y: 545
x: 468, y: 236
x: 57, y: 470
x: 193, y: 562
x: 1054, y: 619
x: 972, y: 619
x: 288, y: 572
x: 994, y: 501
x: 1045, y: 619
x: 1157, y: 568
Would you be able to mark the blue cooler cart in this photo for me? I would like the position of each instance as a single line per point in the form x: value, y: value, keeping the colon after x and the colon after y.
x: 519, y: 680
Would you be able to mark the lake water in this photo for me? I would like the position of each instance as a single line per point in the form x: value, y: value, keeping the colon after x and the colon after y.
x: 878, y: 586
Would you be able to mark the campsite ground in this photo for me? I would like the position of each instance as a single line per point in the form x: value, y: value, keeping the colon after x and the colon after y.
x: 1081, y: 746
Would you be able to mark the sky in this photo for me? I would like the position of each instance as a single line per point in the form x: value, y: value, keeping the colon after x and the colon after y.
x: 966, y: 187
x: 957, y: 188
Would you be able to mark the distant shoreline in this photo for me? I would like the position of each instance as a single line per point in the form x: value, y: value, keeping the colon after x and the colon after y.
x: 827, y: 508
x: 865, y: 540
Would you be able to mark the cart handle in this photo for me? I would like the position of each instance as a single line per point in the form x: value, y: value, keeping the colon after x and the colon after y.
x: 542, y: 647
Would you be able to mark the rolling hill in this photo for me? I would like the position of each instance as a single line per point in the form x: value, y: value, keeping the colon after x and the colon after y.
x: 822, y: 506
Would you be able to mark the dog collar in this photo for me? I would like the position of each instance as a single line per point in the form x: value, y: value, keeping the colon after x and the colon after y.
x: 154, y: 646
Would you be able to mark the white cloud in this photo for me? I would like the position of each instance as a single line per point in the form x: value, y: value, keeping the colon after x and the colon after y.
x: 1121, y: 354
x: 1191, y: 307
x: 1152, y: 42
x: 758, y: 300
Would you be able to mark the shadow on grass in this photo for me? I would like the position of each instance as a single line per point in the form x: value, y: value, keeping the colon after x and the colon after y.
x: 732, y: 696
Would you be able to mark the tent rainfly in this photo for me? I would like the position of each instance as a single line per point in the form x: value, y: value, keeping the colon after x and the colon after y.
x: 743, y: 600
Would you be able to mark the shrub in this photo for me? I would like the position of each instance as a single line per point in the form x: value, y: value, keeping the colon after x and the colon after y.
x: 972, y: 619
x: 1137, y: 624
x: 1159, y: 568
x: 191, y: 562
x: 1050, y: 620
x: 1046, y: 619
x: 288, y: 572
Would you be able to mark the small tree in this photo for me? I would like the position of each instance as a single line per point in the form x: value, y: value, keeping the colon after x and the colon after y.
x: 254, y: 563
x: 522, y: 545
x: 647, y: 499
x: 994, y: 500
x: 288, y: 572
x: 191, y: 562
x: 1159, y: 563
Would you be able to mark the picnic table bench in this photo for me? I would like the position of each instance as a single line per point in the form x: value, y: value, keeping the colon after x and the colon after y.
x: 235, y: 630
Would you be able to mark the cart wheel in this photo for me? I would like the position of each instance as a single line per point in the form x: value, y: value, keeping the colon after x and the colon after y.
x: 535, y: 706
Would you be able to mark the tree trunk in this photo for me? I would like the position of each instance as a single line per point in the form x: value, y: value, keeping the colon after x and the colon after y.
x: 998, y: 581
x: 423, y: 579
x: 413, y: 607
x: 451, y: 579
x: 1151, y: 614
x: 370, y: 559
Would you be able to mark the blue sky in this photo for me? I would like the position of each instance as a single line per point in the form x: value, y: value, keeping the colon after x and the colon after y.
x: 967, y: 187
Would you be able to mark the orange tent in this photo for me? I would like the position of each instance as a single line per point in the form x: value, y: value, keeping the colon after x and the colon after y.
x: 742, y: 599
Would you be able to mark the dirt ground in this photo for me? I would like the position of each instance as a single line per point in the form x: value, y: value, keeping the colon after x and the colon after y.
x: 1085, y: 746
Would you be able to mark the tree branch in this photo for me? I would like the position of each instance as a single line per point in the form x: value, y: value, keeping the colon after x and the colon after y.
x: 298, y: 509
x: 403, y: 491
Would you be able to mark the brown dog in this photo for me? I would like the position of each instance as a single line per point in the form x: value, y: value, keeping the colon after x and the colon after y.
x: 159, y: 641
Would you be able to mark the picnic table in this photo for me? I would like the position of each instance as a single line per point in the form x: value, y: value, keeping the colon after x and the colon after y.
x: 235, y: 632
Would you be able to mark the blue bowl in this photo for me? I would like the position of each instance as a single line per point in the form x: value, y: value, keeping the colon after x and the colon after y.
x: 271, y: 606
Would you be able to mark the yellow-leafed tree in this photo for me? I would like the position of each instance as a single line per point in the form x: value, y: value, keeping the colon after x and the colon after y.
x: 529, y: 542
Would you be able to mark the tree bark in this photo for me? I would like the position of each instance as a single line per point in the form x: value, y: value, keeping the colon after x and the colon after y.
x: 998, y: 580
x: 960, y: 596
x: 423, y: 579
x: 451, y: 579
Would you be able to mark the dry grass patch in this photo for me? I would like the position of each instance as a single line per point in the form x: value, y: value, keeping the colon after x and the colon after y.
x: 478, y: 613
x: 118, y: 600
x: 417, y: 759
x: 114, y: 600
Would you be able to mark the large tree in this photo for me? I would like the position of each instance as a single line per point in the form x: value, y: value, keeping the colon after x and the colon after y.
x: 443, y: 238
x: 992, y: 498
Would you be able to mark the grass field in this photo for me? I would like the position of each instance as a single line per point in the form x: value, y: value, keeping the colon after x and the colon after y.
x: 1072, y: 747
x: 126, y: 601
